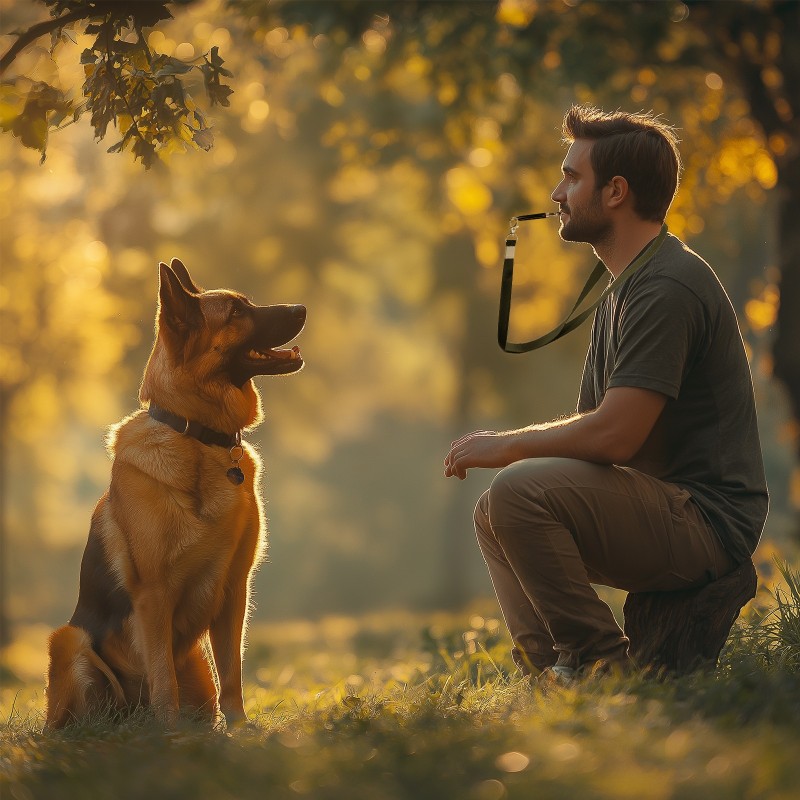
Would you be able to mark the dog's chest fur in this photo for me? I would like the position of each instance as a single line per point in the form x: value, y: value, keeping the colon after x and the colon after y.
x: 196, y: 521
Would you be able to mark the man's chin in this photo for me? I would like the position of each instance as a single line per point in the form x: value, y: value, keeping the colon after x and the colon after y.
x: 588, y: 234
x: 569, y: 234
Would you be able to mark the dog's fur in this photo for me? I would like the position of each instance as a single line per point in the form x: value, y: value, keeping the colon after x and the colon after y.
x: 165, y: 577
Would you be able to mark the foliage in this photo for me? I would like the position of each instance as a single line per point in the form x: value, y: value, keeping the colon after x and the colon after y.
x: 403, y: 706
x: 773, y: 638
x: 140, y: 92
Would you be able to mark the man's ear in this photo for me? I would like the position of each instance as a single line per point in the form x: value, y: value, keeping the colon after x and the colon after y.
x: 178, y: 309
x: 616, y: 191
x: 183, y: 276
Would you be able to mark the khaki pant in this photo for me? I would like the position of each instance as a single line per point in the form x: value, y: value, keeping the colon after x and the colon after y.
x: 548, y: 527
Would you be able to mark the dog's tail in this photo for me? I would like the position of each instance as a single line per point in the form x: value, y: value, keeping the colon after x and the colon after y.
x: 79, y: 682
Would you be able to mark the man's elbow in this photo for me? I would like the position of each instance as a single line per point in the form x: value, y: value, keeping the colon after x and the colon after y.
x: 616, y: 448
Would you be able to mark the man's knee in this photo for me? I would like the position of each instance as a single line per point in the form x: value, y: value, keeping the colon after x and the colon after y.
x: 480, y: 515
x: 517, y: 490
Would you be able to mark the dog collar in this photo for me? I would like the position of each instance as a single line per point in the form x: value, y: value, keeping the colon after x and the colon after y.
x: 194, y: 429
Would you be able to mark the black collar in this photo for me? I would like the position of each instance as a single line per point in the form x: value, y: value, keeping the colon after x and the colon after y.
x: 194, y: 429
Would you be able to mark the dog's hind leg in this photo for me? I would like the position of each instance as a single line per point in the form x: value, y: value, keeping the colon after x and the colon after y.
x: 196, y: 686
x: 79, y: 682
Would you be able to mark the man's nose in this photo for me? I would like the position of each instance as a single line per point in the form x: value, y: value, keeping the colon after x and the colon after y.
x: 558, y: 195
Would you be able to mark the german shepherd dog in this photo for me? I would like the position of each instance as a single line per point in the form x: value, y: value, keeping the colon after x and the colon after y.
x: 165, y: 578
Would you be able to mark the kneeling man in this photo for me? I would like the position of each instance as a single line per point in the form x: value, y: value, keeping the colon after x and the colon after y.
x: 657, y: 483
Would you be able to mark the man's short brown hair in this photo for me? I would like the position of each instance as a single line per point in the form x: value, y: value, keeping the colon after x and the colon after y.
x: 638, y: 147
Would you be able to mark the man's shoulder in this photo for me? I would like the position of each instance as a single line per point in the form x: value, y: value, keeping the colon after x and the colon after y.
x: 676, y: 267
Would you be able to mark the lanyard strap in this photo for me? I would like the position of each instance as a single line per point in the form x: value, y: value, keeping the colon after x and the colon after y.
x: 570, y: 322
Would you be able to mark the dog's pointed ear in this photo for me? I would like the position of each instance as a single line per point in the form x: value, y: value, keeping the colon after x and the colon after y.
x: 183, y: 276
x: 178, y: 308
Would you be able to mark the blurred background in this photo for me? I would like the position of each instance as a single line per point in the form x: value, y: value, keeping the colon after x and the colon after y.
x: 367, y: 167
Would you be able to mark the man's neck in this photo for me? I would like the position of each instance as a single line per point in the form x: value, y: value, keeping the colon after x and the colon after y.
x: 623, y: 244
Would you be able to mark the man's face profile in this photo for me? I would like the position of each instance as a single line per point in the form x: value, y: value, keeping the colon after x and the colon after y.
x: 582, y: 216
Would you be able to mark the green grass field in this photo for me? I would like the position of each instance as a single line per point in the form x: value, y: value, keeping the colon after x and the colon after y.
x: 402, y: 706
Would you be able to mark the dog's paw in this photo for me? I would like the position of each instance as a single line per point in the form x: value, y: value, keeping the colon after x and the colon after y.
x: 235, y: 719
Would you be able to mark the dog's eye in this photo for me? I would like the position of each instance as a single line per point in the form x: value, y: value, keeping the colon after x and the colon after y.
x: 237, y: 310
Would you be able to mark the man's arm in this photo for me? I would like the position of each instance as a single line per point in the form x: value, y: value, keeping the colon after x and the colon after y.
x: 611, y: 434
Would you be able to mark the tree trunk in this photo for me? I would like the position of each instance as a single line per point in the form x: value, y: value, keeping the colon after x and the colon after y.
x: 457, y: 535
x: 5, y: 628
x: 786, y: 348
x: 676, y: 633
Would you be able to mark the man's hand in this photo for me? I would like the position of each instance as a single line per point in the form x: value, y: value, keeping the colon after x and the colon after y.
x: 478, y: 449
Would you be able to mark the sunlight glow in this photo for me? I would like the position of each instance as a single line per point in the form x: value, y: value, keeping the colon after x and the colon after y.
x: 466, y: 192
x: 185, y: 51
x: 374, y: 42
x: 512, y: 761
x: 480, y: 157
x: 517, y: 13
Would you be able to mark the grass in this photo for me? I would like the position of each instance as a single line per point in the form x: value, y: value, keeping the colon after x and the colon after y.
x: 402, y: 706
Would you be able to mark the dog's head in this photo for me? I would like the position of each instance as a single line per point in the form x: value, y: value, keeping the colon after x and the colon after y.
x: 225, y: 329
x: 211, y: 342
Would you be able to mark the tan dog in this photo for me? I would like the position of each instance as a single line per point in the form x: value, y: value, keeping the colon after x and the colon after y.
x: 165, y: 578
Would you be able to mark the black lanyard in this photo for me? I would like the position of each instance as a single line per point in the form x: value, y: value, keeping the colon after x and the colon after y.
x: 570, y: 323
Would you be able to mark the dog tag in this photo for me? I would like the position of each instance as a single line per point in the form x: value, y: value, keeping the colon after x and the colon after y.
x: 235, y: 476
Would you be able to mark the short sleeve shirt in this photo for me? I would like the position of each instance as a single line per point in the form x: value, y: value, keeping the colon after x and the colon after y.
x: 672, y: 329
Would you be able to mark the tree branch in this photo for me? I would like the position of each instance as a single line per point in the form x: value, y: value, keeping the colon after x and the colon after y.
x: 42, y: 29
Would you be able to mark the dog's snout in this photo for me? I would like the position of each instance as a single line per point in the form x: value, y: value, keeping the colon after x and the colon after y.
x: 299, y: 313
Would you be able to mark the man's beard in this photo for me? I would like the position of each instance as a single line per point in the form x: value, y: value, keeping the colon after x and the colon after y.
x: 587, y: 226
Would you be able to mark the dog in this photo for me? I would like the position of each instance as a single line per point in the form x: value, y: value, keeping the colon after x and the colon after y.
x: 173, y: 544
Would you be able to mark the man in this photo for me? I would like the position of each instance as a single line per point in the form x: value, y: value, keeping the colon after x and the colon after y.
x: 657, y: 483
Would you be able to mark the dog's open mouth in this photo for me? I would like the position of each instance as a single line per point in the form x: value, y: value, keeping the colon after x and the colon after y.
x: 273, y: 360
x: 282, y: 355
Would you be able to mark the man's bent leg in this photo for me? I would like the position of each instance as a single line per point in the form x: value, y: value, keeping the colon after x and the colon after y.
x: 533, y: 644
x: 562, y: 524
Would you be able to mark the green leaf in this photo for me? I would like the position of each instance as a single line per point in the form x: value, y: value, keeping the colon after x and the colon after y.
x: 151, y: 14
x: 12, y: 104
x: 218, y: 94
x: 203, y: 138
x: 174, y: 66
x: 30, y: 128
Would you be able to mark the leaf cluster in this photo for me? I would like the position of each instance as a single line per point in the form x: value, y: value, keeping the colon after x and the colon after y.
x: 141, y: 93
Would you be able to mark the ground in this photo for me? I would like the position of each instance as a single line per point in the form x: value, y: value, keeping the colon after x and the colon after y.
x: 400, y: 705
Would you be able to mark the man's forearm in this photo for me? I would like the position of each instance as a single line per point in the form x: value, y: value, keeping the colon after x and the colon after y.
x: 583, y: 437
x: 612, y: 434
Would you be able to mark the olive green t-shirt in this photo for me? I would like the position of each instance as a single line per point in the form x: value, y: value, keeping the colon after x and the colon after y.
x: 671, y: 328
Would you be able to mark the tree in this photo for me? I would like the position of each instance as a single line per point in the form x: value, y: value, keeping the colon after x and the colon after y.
x: 758, y: 44
x: 140, y: 92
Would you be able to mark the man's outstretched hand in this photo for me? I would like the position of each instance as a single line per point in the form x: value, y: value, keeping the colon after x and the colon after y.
x: 478, y: 449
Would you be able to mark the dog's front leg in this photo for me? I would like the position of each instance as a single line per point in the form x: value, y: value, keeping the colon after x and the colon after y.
x: 153, y: 614
x: 227, y: 632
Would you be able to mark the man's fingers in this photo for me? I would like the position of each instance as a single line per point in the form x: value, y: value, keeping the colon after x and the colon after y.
x: 453, y: 467
x: 459, y: 452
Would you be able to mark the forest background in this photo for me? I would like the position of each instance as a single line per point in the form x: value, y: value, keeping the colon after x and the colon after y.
x: 366, y: 166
